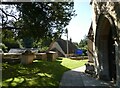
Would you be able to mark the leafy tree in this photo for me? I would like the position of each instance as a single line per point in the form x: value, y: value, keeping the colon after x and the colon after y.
x: 7, y: 34
x: 9, y: 40
x: 76, y: 44
x: 83, y: 43
x: 37, y: 19
x: 3, y: 47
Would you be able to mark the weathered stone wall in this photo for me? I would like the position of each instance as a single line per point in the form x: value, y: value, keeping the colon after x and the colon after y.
x: 111, y: 10
x: 90, y: 44
x: 118, y: 55
x: 90, y: 50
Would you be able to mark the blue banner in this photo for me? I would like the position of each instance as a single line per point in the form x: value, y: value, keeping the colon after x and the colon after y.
x: 79, y: 52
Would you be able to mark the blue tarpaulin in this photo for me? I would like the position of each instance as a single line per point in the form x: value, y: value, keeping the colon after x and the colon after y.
x: 79, y: 52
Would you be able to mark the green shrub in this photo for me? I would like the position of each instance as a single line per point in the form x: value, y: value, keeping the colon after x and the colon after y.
x: 44, y: 49
x: 11, y: 43
x: 3, y: 47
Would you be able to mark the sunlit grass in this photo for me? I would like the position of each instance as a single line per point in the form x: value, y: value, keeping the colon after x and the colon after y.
x: 39, y: 73
x: 71, y: 64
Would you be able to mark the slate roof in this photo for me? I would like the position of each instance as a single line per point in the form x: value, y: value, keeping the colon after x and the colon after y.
x: 63, y: 44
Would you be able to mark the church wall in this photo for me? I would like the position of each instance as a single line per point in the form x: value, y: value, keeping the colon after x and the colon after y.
x: 111, y: 10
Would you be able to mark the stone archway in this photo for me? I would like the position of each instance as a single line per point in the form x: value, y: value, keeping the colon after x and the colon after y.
x: 105, y: 49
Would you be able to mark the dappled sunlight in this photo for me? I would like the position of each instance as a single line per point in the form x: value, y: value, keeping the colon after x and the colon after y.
x: 13, y: 81
x: 39, y: 73
x: 32, y: 81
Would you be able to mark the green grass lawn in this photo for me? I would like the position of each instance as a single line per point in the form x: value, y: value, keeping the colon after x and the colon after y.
x: 39, y: 73
x: 71, y: 64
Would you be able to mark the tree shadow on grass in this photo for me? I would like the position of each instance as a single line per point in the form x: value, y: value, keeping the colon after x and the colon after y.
x: 39, y: 73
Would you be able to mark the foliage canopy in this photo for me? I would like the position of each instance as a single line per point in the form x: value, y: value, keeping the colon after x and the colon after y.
x: 37, y: 19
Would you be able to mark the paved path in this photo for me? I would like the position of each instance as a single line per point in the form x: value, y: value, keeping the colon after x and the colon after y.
x: 78, y: 78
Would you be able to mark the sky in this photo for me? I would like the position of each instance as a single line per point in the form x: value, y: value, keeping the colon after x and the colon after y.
x: 79, y: 25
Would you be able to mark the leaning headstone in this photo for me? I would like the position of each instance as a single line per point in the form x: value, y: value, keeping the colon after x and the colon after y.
x: 27, y: 57
x: 51, y: 56
x: 41, y: 56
